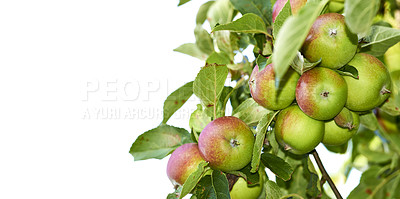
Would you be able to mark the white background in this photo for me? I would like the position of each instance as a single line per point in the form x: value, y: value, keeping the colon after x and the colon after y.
x: 79, y: 81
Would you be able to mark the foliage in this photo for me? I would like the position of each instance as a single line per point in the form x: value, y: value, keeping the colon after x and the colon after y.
x: 240, y: 24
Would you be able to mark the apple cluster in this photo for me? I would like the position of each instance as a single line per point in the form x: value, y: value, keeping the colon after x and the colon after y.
x: 321, y: 104
x: 226, y: 144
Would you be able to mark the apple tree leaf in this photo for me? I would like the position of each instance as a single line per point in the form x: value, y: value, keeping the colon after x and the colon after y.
x: 248, y: 23
x: 261, y: 61
x: 181, y: 2
x: 291, y: 36
x: 208, y: 86
x: 220, y: 58
x: 193, y: 179
x: 176, y: 100
x: 380, y: 39
x: 272, y: 190
x: 301, y: 64
x: 369, y: 121
x: 159, y: 142
x: 204, y: 188
x: 360, y: 14
x: 192, y: 50
x: 202, y: 13
x: 220, y: 12
x: 277, y: 166
x: 261, y: 8
x: 251, y: 178
x: 175, y: 194
x: 281, y: 18
x: 379, y: 157
x: 203, y: 40
x: 374, y: 185
x: 348, y: 70
x: 198, y: 119
x: 250, y: 112
x: 220, y: 185
x: 261, y: 131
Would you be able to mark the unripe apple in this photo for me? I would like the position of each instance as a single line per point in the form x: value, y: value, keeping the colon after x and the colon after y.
x: 241, y: 190
x: 321, y: 93
x: 264, y: 92
x: 331, y: 41
x: 183, y: 162
x: 372, y: 87
x: 226, y: 143
x: 295, y: 5
x: 335, y: 135
x: 298, y: 132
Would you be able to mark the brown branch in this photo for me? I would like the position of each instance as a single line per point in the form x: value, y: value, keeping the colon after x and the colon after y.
x: 325, y: 175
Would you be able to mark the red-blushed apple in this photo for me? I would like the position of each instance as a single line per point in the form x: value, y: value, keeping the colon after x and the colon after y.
x: 297, y: 132
x: 295, y: 5
x: 331, y: 41
x: 321, y: 93
x: 183, y: 162
x: 226, y: 143
x: 264, y: 92
x: 372, y: 87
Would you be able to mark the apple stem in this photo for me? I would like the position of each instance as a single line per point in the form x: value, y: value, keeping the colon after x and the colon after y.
x: 325, y: 175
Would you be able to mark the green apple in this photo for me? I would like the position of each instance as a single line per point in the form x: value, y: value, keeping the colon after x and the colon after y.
x: 341, y: 149
x: 336, y: 135
x: 295, y: 5
x: 335, y: 6
x: 183, y: 162
x: 321, y: 93
x: 264, y: 92
x: 226, y: 143
x: 372, y: 87
x: 241, y: 190
x: 298, y: 132
x: 331, y: 41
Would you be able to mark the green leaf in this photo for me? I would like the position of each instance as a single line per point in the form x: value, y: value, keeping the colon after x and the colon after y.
x: 181, y: 2
x: 375, y: 186
x: 193, y: 179
x: 281, y: 18
x: 198, y: 119
x: 369, y: 121
x: 261, y: 61
x: 291, y: 37
x: 251, y: 177
x: 380, y: 39
x: 277, y: 166
x: 176, y: 100
x: 220, y: 58
x: 261, y: 8
x: 248, y: 23
x: 208, y: 86
x: 204, y: 188
x: 227, y: 42
x: 374, y: 156
x: 360, y: 14
x: 159, y: 142
x: 175, y: 194
x: 301, y: 65
x: 261, y: 130
x: 203, y: 40
x: 202, y: 13
x: 221, y: 12
x: 348, y: 70
x: 272, y: 190
x: 250, y: 112
x: 220, y: 185
x: 192, y: 50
